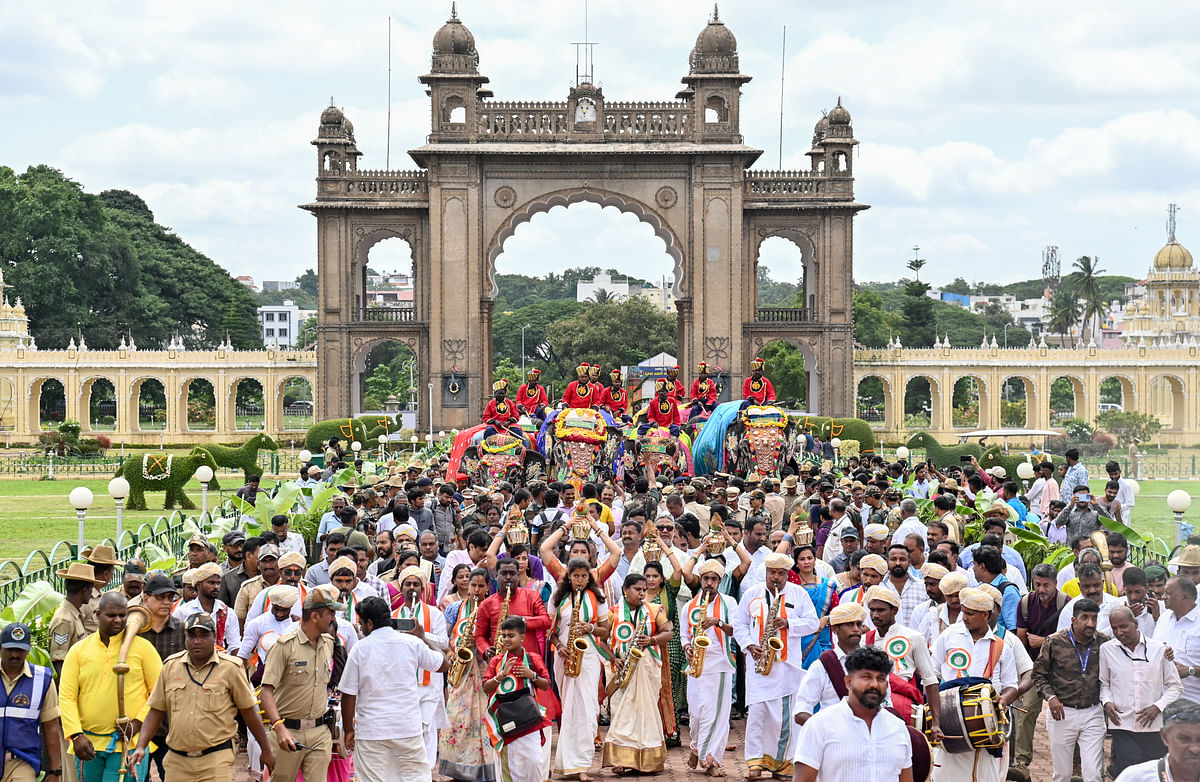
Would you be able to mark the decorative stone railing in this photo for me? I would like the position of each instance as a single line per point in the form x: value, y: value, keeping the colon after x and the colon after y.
x: 394, y: 184
x: 788, y: 184
x: 539, y: 121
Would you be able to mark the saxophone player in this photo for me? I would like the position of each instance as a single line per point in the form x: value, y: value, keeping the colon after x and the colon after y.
x: 430, y: 626
x: 709, y: 615
x: 510, y: 597
x: 580, y: 614
x: 769, y: 624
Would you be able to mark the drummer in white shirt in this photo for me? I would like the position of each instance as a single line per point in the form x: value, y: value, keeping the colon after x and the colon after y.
x: 824, y: 684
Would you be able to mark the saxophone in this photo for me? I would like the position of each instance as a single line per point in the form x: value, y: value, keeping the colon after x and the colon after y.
x: 772, y: 643
x: 463, y: 656
x: 576, y: 643
x: 633, y: 655
x: 700, y: 641
x: 503, y: 615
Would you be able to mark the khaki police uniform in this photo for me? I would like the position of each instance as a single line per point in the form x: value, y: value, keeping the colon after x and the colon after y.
x: 201, y: 704
x: 15, y: 769
x: 66, y: 630
x: 299, y: 671
x: 88, y: 611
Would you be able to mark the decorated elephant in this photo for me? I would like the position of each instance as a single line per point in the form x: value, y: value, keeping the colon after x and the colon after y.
x: 579, y: 444
x: 657, y: 448
x: 758, y: 438
x: 162, y: 472
x: 501, y: 457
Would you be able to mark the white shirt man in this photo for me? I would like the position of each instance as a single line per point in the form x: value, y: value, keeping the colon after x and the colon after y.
x: 381, y: 675
x: 841, y: 746
x: 1182, y: 634
x: 1107, y: 602
x: 710, y: 693
x: 770, y: 734
x: 1135, y: 674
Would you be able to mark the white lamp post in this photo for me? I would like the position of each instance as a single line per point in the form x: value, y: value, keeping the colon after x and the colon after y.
x: 1179, y: 501
x: 902, y: 453
x: 118, y: 489
x: 50, y: 456
x: 383, y: 447
x: 429, y: 438
x: 356, y: 446
x: 204, y: 474
x: 1025, y: 473
x: 835, y: 443
x: 442, y: 435
x: 304, y: 456
x: 413, y: 441
x: 80, y: 499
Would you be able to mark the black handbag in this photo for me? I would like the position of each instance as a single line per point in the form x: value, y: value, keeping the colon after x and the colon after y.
x: 517, y: 712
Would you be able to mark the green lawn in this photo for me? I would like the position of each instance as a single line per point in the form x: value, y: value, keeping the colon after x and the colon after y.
x: 36, y: 514
x: 1150, y: 514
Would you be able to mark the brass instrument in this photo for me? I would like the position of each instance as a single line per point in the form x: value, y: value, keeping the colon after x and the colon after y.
x: 700, y: 642
x: 633, y: 655
x: 714, y: 541
x: 772, y: 643
x: 576, y: 643
x: 503, y: 615
x: 138, y: 620
x: 463, y: 655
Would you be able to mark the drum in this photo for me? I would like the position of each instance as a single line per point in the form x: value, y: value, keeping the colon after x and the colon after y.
x: 922, y: 755
x: 970, y: 718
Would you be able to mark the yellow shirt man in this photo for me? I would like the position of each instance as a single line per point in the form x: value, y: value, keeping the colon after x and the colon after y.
x: 88, y: 690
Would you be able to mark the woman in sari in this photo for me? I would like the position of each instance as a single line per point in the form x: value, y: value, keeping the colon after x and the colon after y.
x: 634, y: 739
x: 663, y: 592
x: 525, y: 577
x: 460, y: 577
x: 464, y: 751
x: 824, y: 598
x: 578, y: 591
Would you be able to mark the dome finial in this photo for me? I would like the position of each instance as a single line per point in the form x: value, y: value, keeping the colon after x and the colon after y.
x: 1171, y: 210
x: 453, y: 9
x: 330, y: 100
x: 716, y: 13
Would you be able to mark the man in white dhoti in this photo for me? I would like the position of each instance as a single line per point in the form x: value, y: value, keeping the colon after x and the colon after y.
x: 971, y: 649
x: 432, y: 626
x: 709, y: 615
x: 769, y: 624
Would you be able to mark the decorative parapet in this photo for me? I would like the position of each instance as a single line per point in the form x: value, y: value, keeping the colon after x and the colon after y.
x: 58, y: 360
x: 621, y: 121
x: 373, y: 185
x: 1174, y: 354
x: 790, y: 185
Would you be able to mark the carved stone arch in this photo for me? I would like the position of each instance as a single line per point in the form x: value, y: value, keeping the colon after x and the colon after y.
x: 802, y: 239
x: 361, y: 348
x: 811, y: 352
x: 366, y: 237
x: 564, y: 198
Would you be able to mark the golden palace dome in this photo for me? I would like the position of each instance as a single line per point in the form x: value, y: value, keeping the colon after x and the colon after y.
x: 1173, y: 256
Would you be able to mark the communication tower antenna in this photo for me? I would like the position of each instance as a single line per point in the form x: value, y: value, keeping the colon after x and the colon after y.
x: 1050, y: 269
x: 585, y: 54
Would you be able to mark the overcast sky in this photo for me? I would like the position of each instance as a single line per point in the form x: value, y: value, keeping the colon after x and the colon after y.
x: 988, y: 131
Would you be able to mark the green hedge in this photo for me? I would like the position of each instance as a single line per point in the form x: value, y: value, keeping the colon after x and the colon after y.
x: 366, y: 430
x: 848, y: 429
x: 994, y: 456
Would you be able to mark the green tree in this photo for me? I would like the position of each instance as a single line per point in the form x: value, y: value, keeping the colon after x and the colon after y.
x: 1065, y: 311
x: 125, y: 201
x: 602, y: 296
x: 773, y: 293
x: 506, y: 369
x: 872, y: 324
x: 1126, y: 426
x: 917, y: 323
x: 784, y: 364
x: 240, y: 322
x: 613, y: 335
x: 1092, y: 301
x: 1062, y: 396
x: 308, y: 282
x: 959, y: 286
x: 307, y: 337
x: 1111, y: 391
x: 506, y: 336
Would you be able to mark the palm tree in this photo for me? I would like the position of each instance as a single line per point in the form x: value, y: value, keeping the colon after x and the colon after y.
x: 1087, y: 291
x: 602, y: 296
x: 1065, y: 310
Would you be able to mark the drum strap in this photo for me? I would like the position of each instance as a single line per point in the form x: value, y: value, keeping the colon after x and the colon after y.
x: 994, y: 653
x: 836, y: 672
x: 1162, y: 770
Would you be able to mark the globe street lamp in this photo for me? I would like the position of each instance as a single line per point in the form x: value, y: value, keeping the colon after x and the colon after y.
x: 1025, y: 473
x: 80, y: 499
x: 382, y: 447
x: 902, y: 453
x: 1179, y: 501
x: 835, y: 443
x: 413, y: 441
x: 118, y: 489
x: 305, y: 456
x: 204, y: 474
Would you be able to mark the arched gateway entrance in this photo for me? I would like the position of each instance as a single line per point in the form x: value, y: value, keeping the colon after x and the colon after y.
x: 679, y: 165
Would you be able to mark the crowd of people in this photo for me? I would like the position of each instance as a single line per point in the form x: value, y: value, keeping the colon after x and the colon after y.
x: 434, y: 629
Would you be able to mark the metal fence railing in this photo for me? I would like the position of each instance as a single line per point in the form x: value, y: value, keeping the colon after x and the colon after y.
x: 26, y: 464
x: 169, y: 533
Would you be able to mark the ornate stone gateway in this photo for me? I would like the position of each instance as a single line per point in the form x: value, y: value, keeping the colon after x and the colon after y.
x: 488, y: 166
